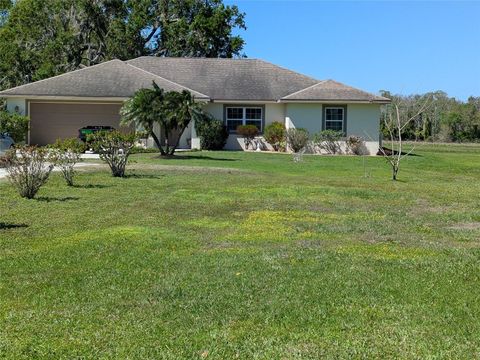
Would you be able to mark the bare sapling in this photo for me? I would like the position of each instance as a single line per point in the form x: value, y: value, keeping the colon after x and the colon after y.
x: 395, y: 121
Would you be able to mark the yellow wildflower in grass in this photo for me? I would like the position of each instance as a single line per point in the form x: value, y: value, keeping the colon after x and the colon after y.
x: 269, y: 225
x: 386, y: 251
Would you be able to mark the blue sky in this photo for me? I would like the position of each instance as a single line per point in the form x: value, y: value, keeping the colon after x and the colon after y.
x: 401, y: 46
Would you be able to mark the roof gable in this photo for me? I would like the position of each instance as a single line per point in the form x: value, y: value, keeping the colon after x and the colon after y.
x: 330, y: 90
x: 112, y: 79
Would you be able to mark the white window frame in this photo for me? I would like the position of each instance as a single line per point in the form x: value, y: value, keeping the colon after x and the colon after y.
x: 341, y: 121
x: 244, y: 115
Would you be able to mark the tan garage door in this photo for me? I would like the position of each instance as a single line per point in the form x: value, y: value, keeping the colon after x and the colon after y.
x: 52, y: 121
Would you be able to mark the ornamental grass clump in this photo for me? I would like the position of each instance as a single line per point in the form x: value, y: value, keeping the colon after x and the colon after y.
x: 28, y: 169
x: 65, y: 154
x: 114, y: 148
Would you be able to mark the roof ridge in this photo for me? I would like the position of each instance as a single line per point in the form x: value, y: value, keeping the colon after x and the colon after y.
x: 60, y: 75
x: 170, y: 81
x: 302, y: 90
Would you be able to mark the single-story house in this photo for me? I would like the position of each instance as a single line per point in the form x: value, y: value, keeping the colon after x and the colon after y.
x: 238, y: 91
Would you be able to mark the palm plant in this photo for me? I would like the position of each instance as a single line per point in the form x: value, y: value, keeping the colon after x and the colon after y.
x: 181, y: 109
x: 172, y: 110
x: 145, y: 109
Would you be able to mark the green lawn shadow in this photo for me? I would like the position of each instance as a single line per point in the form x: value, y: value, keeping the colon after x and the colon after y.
x: 59, y: 199
x: 7, y: 226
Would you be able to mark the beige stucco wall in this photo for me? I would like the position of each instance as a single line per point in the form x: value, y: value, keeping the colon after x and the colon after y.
x: 362, y: 120
x: 16, y: 103
x: 305, y: 116
x: 214, y: 109
x: 273, y: 112
x: 186, y: 138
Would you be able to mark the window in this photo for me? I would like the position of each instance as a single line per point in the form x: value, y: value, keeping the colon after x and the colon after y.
x: 334, y: 118
x: 242, y: 115
x: 234, y: 118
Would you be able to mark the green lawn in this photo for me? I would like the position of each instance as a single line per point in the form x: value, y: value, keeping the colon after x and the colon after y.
x: 225, y: 255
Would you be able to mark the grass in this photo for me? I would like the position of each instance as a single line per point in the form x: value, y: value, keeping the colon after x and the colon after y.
x: 224, y: 255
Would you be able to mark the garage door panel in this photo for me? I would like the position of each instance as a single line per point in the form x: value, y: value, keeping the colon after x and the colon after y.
x: 52, y: 121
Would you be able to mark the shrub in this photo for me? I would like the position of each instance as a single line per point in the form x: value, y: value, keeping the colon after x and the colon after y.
x: 14, y: 125
x: 213, y: 134
x: 355, y: 145
x: 28, y: 169
x: 142, y: 150
x: 275, y: 135
x: 114, y: 148
x: 297, y: 139
x: 328, y: 140
x: 248, y: 132
x: 66, y: 154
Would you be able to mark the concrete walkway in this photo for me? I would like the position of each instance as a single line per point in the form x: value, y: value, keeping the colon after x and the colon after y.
x: 90, y: 156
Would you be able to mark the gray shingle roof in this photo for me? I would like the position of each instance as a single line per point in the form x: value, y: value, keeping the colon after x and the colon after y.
x: 228, y: 79
x: 110, y: 79
x: 330, y: 90
x: 216, y: 79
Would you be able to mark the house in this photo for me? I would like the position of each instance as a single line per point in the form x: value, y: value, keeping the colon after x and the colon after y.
x: 238, y: 91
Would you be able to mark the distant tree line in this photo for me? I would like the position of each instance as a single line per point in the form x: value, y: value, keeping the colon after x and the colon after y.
x: 444, y: 119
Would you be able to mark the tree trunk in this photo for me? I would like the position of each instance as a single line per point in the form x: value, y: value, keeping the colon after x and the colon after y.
x: 157, y: 142
x: 165, y: 149
x: 179, y: 136
x: 395, y: 169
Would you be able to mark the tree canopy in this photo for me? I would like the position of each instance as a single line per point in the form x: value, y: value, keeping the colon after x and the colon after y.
x: 43, y: 38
